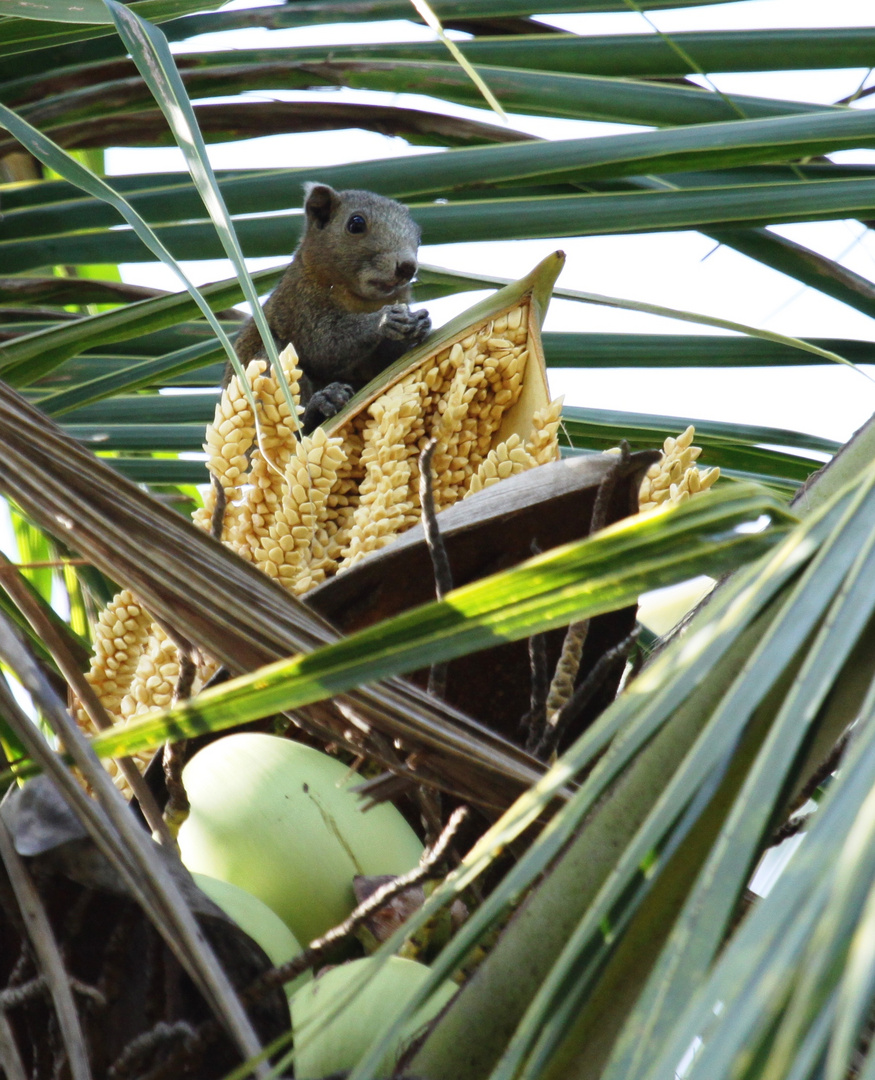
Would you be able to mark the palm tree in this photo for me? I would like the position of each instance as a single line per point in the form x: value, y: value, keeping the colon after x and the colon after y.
x: 635, y: 948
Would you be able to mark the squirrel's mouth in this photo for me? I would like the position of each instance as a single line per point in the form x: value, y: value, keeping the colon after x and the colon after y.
x: 381, y: 287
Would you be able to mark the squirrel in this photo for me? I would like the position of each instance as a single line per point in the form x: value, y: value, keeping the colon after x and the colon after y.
x: 343, y: 300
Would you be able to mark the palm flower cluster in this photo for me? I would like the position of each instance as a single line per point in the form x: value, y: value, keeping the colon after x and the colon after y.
x: 675, y: 477
x: 303, y: 509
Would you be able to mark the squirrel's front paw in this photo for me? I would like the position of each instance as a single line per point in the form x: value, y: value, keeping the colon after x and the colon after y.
x: 399, y: 323
x: 324, y: 404
x: 422, y: 327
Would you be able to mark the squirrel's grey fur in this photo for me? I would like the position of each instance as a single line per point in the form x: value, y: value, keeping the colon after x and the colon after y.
x: 343, y: 301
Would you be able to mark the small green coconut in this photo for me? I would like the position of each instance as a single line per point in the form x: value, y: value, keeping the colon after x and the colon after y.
x: 257, y: 920
x: 334, y: 1021
x: 278, y: 819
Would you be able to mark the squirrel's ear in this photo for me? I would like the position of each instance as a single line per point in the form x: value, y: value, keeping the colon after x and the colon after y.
x: 319, y: 202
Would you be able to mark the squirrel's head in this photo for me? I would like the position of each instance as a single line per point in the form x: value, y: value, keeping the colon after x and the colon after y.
x: 366, y: 241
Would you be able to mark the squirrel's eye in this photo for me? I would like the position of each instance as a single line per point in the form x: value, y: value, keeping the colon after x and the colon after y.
x: 356, y: 224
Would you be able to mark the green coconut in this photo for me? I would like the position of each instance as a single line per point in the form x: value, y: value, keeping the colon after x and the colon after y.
x: 257, y: 920
x: 336, y: 1017
x: 278, y: 819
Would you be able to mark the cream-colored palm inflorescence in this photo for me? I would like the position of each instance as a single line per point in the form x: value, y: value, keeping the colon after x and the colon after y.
x: 305, y: 509
x: 676, y: 477
x: 309, y: 509
x: 134, y: 669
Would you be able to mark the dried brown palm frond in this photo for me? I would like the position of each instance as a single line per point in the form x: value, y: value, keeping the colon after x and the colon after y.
x: 210, y: 599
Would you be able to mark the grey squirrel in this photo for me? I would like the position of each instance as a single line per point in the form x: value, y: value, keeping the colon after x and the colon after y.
x: 343, y: 301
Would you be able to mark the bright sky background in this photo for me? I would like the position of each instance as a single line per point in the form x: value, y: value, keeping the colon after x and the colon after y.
x: 680, y: 270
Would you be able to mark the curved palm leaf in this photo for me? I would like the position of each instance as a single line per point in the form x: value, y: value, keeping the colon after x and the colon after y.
x: 627, y: 952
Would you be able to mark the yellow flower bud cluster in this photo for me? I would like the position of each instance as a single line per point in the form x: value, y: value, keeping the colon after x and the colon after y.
x: 676, y: 477
x: 228, y: 439
x: 514, y: 456
x: 134, y: 668
x: 460, y: 398
x: 155, y: 678
x: 306, y: 509
x: 266, y: 480
x: 302, y: 509
x: 295, y: 549
x: 384, y: 505
x: 120, y: 636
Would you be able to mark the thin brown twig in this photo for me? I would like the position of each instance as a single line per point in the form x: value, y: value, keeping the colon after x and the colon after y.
x: 390, y: 784
x: 790, y: 828
x: 383, y: 787
x: 185, y: 679
x: 313, y: 954
x: 824, y: 770
x: 430, y: 812
x: 607, y: 488
x: 539, y: 687
x: 428, y: 799
x: 177, y: 807
x: 443, y: 577
x: 217, y: 521
x: 182, y: 643
x: 798, y: 822
x: 539, y: 682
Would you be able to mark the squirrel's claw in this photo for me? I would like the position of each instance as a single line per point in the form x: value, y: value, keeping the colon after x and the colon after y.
x: 324, y: 404
x: 399, y: 323
x: 422, y: 327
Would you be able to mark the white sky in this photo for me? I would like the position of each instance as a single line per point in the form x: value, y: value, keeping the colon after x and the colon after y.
x: 680, y: 270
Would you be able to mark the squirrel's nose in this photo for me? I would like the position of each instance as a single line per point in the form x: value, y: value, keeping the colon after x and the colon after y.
x: 404, y: 271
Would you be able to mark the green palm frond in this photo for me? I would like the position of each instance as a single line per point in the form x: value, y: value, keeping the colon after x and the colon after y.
x: 618, y: 944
